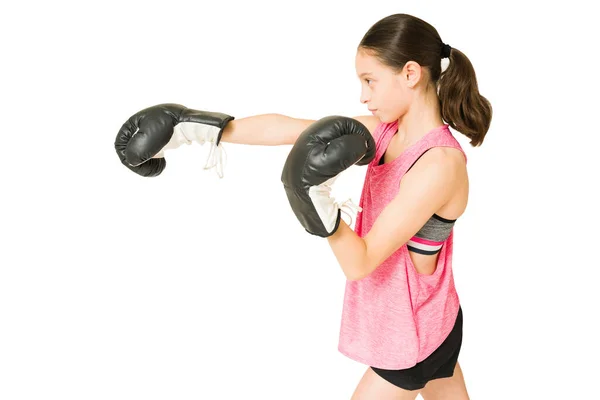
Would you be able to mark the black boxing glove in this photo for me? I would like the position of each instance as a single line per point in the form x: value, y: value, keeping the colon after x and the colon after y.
x: 145, y: 136
x: 324, y: 150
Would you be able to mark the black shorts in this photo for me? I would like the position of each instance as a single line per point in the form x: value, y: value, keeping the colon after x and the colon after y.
x: 440, y: 364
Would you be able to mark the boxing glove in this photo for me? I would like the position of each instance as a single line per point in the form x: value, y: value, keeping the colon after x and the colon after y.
x: 145, y: 136
x: 324, y: 150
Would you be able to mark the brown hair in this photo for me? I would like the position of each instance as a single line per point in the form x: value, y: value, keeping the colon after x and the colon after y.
x: 400, y: 38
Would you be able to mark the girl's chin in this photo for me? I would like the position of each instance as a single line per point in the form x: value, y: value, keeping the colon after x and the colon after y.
x: 385, y: 118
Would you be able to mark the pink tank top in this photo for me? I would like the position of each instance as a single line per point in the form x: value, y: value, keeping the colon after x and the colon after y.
x: 396, y: 317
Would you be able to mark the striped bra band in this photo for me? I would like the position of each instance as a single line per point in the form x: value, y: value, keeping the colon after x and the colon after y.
x: 431, y: 236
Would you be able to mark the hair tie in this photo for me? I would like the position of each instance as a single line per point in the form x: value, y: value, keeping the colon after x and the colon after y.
x: 446, y: 50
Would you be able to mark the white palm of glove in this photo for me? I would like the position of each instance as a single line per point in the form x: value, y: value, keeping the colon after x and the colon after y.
x: 326, y: 206
x: 187, y: 132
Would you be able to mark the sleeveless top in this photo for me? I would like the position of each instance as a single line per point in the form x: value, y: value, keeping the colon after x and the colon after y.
x: 396, y: 317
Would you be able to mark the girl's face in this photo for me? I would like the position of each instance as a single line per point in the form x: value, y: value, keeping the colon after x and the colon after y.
x: 384, y: 92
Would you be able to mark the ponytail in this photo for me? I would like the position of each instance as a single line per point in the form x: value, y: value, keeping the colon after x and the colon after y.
x: 463, y: 107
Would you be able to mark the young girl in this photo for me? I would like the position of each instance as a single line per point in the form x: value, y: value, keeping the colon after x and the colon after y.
x: 402, y: 316
x: 401, y: 313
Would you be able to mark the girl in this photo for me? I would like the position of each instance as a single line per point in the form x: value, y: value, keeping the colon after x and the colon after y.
x: 401, y: 313
x: 402, y: 316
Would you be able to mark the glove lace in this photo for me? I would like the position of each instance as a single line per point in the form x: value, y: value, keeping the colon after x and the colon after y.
x: 325, y: 189
x: 352, y: 208
x: 217, y: 158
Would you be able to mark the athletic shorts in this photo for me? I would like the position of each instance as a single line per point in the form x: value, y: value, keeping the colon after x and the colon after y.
x: 440, y: 364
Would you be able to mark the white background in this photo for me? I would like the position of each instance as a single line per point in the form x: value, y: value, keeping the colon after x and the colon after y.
x: 184, y: 286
